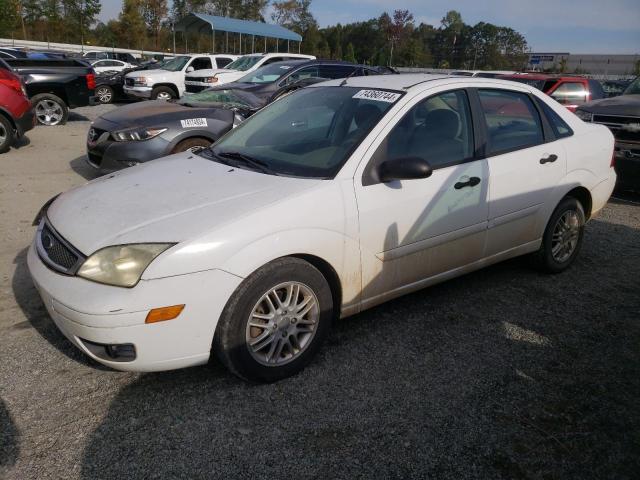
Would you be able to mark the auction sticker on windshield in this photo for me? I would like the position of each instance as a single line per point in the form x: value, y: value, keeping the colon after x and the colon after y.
x: 194, y: 122
x: 378, y: 95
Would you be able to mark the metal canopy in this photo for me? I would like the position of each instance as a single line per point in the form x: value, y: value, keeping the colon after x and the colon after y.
x: 196, y: 22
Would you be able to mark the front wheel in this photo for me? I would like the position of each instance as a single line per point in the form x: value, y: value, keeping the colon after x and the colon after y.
x: 6, y: 134
x: 162, y: 93
x: 562, y: 237
x: 275, y: 322
x: 193, y: 145
x: 104, y: 93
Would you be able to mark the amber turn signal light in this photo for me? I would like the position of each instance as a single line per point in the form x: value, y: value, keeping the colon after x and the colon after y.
x: 164, y: 313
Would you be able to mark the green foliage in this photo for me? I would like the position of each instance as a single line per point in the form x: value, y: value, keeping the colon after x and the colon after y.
x: 9, y: 19
x: 132, y: 27
x: 350, y: 56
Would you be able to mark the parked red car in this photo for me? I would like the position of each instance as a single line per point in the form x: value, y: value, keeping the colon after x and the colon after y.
x: 569, y: 91
x: 16, y: 112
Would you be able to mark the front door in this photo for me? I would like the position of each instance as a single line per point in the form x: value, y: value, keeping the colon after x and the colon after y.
x: 412, y: 230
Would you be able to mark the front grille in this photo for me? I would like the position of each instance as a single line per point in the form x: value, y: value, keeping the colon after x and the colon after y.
x: 194, y: 88
x: 57, y: 252
x: 624, y: 128
x: 129, y: 82
x: 615, y: 119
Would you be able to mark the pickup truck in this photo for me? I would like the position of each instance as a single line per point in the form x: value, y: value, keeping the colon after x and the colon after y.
x: 55, y: 86
x: 203, y: 79
x: 622, y: 116
x: 167, y: 82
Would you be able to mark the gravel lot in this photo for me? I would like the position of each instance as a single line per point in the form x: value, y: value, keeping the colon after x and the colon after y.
x: 504, y: 373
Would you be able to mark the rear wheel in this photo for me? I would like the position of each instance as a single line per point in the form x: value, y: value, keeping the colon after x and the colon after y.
x: 562, y: 238
x: 275, y: 322
x: 50, y: 109
x: 6, y: 134
x: 162, y: 93
x: 104, y: 94
x: 193, y: 145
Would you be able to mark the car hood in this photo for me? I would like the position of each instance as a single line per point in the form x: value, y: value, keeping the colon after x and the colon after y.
x: 158, y: 112
x: 621, y: 105
x: 173, y: 199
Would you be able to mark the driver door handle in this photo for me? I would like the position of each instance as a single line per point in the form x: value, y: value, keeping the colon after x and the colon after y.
x: 549, y: 159
x: 472, y: 182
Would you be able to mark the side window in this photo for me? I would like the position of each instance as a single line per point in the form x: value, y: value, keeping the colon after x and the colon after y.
x: 438, y: 129
x: 570, y: 93
x: 303, y: 73
x: 222, y: 62
x: 335, y: 71
x: 558, y: 125
x: 512, y: 121
x: 201, y: 63
x: 273, y: 60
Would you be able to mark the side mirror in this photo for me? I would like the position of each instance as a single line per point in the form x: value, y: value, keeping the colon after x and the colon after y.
x: 190, y: 69
x: 409, y: 168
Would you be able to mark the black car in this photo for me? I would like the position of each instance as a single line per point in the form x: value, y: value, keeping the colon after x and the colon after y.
x: 613, y: 88
x: 622, y: 115
x: 266, y: 80
x: 109, y: 84
x: 144, y: 131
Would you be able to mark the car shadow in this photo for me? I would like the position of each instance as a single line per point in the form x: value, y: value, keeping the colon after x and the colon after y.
x: 21, y: 142
x: 9, y: 436
x: 76, y: 117
x: 502, y: 373
x: 82, y: 168
x: 28, y: 300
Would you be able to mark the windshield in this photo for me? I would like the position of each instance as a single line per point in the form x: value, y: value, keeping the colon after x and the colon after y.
x: 267, y: 74
x: 243, y: 63
x: 230, y: 99
x: 539, y: 84
x: 310, y: 133
x: 634, y: 88
x: 175, y: 64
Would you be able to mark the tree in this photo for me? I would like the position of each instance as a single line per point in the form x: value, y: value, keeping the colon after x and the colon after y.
x: 397, y: 27
x: 9, y: 17
x: 294, y: 14
x: 132, y: 26
x: 351, y: 54
x: 154, y: 12
x: 79, y: 16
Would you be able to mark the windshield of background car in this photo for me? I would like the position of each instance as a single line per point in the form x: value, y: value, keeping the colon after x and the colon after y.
x: 267, y: 74
x: 310, y: 133
x: 229, y: 98
x: 175, y: 64
x: 243, y: 63
x: 539, y: 84
x: 634, y: 88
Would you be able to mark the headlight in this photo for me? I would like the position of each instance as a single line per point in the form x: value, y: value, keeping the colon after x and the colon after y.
x: 584, y: 116
x: 121, y: 265
x: 136, y: 134
x: 140, y: 81
x: 210, y: 79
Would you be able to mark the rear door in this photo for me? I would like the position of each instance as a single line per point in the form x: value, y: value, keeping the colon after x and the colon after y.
x: 523, y: 169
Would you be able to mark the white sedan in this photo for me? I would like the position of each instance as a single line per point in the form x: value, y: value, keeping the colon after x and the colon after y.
x: 329, y: 201
x: 110, y: 65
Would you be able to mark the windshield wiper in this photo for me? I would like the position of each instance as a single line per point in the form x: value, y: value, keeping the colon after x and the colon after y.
x: 253, y: 162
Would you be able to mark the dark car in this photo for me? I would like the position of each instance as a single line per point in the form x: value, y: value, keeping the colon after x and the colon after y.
x: 622, y: 115
x: 266, y: 80
x: 613, y: 88
x: 124, y: 57
x: 55, y: 86
x: 109, y: 84
x: 16, y: 112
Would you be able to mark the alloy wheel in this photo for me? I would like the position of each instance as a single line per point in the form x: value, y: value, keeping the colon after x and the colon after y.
x: 566, y: 233
x: 3, y: 134
x: 104, y: 95
x: 163, y: 96
x: 282, y: 324
x: 49, y: 112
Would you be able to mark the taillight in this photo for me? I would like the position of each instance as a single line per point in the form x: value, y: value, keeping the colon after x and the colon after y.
x: 11, y: 81
x: 91, y: 81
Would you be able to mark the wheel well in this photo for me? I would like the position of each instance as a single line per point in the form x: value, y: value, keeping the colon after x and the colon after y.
x: 330, y: 275
x: 168, y: 85
x: 8, y: 117
x: 61, y: 94
x: 584, y: 197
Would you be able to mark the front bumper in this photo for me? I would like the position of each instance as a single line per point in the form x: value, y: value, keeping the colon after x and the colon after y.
x: 108, y: 155
x: 26, y: 122
x: 138, y: 92
x: 91, y: 314
x: 628, y: 164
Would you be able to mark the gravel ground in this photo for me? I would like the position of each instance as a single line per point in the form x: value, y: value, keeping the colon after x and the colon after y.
x: 504, y: 373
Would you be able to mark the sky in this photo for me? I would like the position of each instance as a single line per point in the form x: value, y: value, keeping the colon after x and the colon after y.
x: 573, y: 26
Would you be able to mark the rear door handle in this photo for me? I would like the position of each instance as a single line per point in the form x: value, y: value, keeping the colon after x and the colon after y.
x: 472, y: 182
x: 549, y: 159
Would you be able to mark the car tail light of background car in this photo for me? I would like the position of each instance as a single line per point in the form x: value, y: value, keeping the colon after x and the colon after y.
x: 12, y: 81
x: 91, y: 81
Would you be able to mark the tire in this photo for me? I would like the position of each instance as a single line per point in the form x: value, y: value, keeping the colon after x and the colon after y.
x: 165, y: 93
x: 50, y: 109
x: 308, y: 331
x: 104, y: 94
x: 553, y: 257
x: 192, y: 144
x: 7, y: 134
